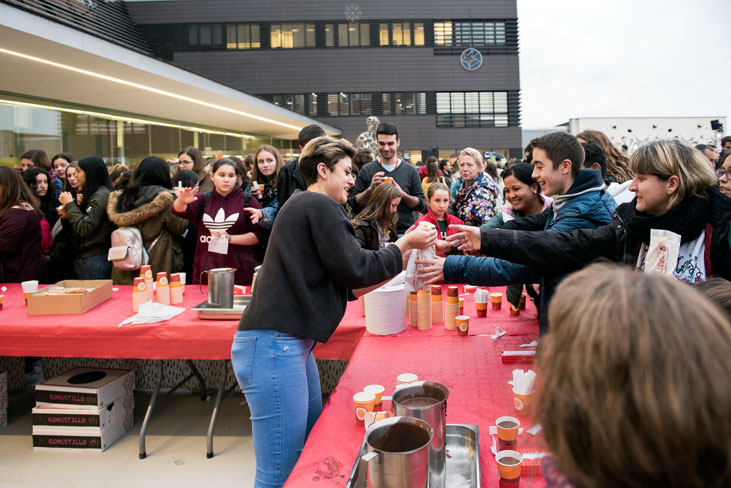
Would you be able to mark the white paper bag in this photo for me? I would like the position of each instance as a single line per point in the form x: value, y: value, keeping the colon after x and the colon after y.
x: 662, y: 253
x: 412, y: 280
x: 218, y: 244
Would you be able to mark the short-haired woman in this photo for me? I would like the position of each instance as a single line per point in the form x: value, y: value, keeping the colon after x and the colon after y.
x: 635, y: 384
x: 312, y: 266
x: 476, y: 195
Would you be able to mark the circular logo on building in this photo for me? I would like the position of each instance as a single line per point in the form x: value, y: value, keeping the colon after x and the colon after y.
x: 352, y: 12
x: 470, y: 59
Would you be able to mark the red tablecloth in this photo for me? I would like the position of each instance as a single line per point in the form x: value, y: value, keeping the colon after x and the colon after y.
x: 470, y: 367
x: 95, y: 333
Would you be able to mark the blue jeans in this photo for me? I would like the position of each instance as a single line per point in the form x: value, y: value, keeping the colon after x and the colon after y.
x: 96, y: 267
x: 278, y: 375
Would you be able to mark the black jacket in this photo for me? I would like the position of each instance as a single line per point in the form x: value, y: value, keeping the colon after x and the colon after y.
x: 366, y: 232
x: 560, y: 252
x: 288, y: 181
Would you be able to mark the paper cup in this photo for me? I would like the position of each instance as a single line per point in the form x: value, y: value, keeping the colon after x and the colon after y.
x: 509, y: 464
x: 523, y: 298
x: 405, y: 378
x: 514, y: 311
x: 146, y: 271
x: 522, y: 403
x: 364, y: 402
x: 481, y: 308
x: 497, y: 300
x: 461, y: 306
x: 388, y: 179
x: 29, y: 287
x: 377, y: 390
x: 2, y: 297
x: 463, y: 324
x: 470, y: 289
x: 507, y: 432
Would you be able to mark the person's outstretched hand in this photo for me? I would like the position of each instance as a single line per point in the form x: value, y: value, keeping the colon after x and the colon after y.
x: 467, y: 239
x: 431, y: 270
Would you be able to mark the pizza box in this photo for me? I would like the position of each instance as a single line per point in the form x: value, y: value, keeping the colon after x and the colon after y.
x: 121, y: 409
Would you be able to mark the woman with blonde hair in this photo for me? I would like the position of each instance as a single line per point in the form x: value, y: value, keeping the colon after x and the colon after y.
x: 267, y: 164
x: 635, y: 384
x: 618, y: 170
x: 675, y: 191
x: 375, y: 226
x: 476, y: 194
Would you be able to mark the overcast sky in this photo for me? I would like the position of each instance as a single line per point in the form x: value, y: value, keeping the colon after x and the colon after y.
x: 591, y: 58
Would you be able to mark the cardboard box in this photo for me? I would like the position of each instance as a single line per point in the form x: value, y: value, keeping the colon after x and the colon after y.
x: 89, y: 388
x: 47, y: 437
x: 100, y: 291
x: 66, y: 416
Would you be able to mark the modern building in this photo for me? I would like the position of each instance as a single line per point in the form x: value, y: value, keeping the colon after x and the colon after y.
x: 445, y: 73
x: 78, y: 76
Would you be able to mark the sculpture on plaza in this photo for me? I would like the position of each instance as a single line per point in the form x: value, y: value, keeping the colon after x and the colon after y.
x: 368, y: 138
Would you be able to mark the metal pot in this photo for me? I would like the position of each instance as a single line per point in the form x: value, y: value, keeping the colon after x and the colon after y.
x: 220, y: 287
x: 426, y: 400
x: 398, y: 451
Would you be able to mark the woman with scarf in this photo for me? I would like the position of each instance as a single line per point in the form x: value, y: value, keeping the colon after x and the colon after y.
x: 476, y: 194
x: 675, y: 190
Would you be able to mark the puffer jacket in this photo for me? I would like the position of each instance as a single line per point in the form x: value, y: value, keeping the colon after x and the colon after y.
x: 151, y: 215
x: 92, y: 230
x: 586, y: 205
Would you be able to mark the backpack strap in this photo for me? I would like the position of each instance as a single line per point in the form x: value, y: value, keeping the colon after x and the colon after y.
x: 707, y: 249
x: 206, y: 197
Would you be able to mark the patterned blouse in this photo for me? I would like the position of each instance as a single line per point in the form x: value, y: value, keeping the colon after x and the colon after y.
x: 478, y: 202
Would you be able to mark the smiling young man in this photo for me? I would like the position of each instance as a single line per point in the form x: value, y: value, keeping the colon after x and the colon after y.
x: 579, y: 202
x: 405, y: 177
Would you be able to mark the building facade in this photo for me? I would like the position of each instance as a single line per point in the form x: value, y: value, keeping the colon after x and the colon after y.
x: 445, y: 73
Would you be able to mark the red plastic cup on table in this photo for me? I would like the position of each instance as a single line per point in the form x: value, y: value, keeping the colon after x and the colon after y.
x: 497, y: 300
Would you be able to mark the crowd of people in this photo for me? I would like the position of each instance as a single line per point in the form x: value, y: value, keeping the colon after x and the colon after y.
x: 535, y: 225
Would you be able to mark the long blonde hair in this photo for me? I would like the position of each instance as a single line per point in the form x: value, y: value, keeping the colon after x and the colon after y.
x: 635, y: 382
x: 617, y: 161
x: 378, y: 208
x: 671, y: 157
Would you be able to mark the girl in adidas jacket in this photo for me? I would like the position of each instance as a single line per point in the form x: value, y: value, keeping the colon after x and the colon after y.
x: 221, y: 211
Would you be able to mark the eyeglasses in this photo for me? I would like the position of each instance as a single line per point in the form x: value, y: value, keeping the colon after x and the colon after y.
x: 185, y: 161
x: 721, y: 172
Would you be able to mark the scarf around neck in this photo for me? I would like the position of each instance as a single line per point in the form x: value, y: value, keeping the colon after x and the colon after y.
x: 688, y: 219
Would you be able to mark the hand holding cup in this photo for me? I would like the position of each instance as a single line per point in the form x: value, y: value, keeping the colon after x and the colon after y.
x: 65, y: 198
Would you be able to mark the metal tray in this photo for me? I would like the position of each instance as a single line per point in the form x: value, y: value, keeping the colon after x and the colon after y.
x: 206, y: 313
x: 463, y: 457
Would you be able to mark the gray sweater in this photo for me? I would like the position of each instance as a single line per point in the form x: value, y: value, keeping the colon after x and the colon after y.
x: 311, y: 262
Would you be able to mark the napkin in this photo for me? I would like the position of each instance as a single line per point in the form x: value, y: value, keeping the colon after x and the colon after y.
x: 523, y: 381
x: 151, y: 313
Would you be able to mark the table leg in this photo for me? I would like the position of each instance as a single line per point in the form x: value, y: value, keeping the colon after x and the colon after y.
x: 150, y: 407
x: 222, y: 391
x: 201, y: 380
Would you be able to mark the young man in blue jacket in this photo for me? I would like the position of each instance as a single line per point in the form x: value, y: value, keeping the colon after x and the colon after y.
x: 580, y: 202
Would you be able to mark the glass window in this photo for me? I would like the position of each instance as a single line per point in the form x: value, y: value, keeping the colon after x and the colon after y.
x: 205, y: 35
x: 329, y: 36
x: 472, y: 102
x: 365, y: 35
x: 383, y: 35
x: 242, y: 36
x: 276, y: 36
x: 443, y: 105
x: 310, y: 35
x: 353, y: 37
x: 342, y: 34
x: 500, y: 32
x: 443, y: 33
x: 313, y: 104
x: 344, y: 104
x: 486, y: 106
x: 418, y: 34
x: 457, y: 102
x: 193, y: 35
x: 217, y: 31
x: 420, y: 102
x: 231, y: 37
x: 404, y: 103
x: 386, y: 99
x: 299, y: 104
x: 501, y: 102
x: 332, y: 104
x: 366, y: 107
x: 296, y: 35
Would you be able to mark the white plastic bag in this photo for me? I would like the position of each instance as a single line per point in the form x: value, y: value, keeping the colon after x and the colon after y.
x: 218, y: 244
x: 662, y: 253
x: 412, y: 280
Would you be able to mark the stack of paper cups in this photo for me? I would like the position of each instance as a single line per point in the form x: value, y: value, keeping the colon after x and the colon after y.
x: 253, y: 279
x: 413, y: 310
x: 139, y: 293
x: 452, y: 308
x: 437, y: 305
x: 176, y: 289
x: 146, y: 274
x: 423, y: 304
x: 163, y: 288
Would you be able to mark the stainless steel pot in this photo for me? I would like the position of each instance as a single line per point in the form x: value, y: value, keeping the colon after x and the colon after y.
x: 426, y: 400
x: 398, y: 451
x: 220, y: 287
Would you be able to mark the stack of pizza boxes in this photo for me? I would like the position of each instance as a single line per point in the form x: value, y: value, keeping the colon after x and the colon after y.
x: 3, y: 400
x: 83, y: 409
